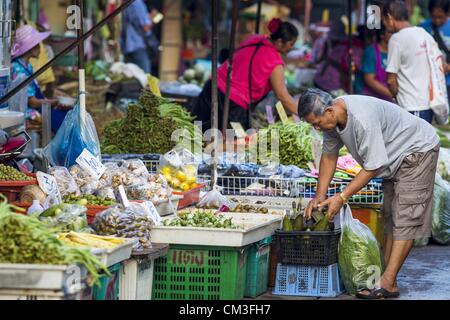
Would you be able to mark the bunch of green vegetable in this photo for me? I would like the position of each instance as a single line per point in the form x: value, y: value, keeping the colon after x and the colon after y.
x: 88, y: 199
x: 147, y: 128
x: 359, y: 257
x: 26, y: 240
x: 201, y: 219
x: 8, y: 173
x: 65, y: 217
x: 294, y: 143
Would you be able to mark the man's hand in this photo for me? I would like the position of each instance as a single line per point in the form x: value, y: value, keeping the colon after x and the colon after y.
x: 334, y: 205
x: 313, y: 205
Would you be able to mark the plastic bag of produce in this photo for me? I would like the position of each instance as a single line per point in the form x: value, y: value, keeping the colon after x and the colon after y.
x: 359, y: 254
x: 440, y: 227
x: 135, y: 167
x: 72, y: 138
x: 134, y: 222
x: 215, y: 200
x: 66, y: 217
x: 180, y: 169
x: 444, y: 164
x: 66, y: 183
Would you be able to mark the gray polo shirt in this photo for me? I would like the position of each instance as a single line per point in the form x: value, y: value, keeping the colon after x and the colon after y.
x: 380, y: 134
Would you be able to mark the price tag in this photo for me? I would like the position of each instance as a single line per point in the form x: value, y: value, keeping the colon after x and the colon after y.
x: 153, y: 212
x: 48, y: 184
x: 239, y: 129
x: 121, y: 196
x: 91, y: 164
x: 282, y: 113
x: 269, y: 113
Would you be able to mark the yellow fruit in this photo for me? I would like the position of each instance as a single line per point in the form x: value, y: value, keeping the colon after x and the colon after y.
x: 168, y: 178
x: 166, y: 171
x: 191, y: 180
x: 176, y: 183
x: 191, y: 170
x: 181, y: 176
x: 185, y: 186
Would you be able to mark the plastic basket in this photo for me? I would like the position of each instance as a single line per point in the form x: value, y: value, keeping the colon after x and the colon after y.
x: 308, y: 248
x: 11, y: 189
x: 200, y: 273
x: 109, y: 286
x: 308, y: 281
x: 258, y: 263
x: 190, y: 197
x: 93, y: 211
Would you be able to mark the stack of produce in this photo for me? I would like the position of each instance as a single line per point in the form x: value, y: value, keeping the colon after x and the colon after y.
x: 8, y: 173
x: 183, y: 179
x: 86, y: 240
x: 295, y: 143
x: 148, y: 128
x: 26, y: 240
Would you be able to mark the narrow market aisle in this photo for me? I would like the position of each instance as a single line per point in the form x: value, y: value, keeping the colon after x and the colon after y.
x: 425, y: 276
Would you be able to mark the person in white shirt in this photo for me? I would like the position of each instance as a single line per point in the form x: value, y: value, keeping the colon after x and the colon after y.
x: 408, y: 66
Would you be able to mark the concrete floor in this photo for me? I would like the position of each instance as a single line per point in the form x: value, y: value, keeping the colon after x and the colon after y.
x: 424, y: 276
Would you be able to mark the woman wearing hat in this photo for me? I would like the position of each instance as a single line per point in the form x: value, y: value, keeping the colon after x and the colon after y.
x: 27, y: 46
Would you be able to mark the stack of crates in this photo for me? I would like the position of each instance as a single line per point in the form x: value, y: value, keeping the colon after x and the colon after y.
x: 307, y: 264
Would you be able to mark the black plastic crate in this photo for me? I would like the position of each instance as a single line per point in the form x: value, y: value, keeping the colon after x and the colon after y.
x: 307, y: 248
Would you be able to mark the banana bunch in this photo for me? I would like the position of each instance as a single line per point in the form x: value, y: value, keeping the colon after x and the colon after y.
x: 75, y: 239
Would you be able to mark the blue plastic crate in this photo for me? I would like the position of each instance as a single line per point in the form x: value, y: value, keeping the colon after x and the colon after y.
x: 307, y: 281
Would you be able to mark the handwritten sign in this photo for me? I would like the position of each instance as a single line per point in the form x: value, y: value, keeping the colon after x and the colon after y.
x: 269, y: 113
x: 283, y: 116
x: 239, y: 129
x: 153, y: 212
x: 91, y: 164
x: 49, y: 185
x: 121, y: 196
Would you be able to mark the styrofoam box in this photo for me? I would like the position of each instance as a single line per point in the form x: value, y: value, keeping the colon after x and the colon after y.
x: 136, y: 282
x: 254, y: 227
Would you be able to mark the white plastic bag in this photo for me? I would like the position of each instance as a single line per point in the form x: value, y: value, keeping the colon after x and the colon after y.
x: 215, y: 200
x: 438, y: 86
x: 440, y: 226
x: 359, y: 254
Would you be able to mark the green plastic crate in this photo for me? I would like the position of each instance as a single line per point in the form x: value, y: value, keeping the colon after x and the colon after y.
x: 109, y: 286
x: 200, y: 273
x: 258, y: 266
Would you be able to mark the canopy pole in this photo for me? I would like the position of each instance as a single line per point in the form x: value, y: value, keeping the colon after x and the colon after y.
x: 214, y: 95
x: 350, y: 45
x: 258, y: 17
x: 81, y: 71
x: 226, y: 109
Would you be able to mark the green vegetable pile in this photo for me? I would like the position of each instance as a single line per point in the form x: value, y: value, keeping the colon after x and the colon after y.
x: 359, y: 258
x: 148, y: 128
x: 90, y: 200
x: 200, y: 219
x: 445, y: 141
x: 8, y: 173
x: 294, y: 146
x: 24, y: 239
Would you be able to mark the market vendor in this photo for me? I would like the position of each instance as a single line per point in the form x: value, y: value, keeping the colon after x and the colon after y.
x: 27, y: 46
x: 258, y: 68
x: 389, y: 143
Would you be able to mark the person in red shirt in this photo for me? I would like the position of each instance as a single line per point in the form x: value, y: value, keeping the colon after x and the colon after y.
x: 258, y: 68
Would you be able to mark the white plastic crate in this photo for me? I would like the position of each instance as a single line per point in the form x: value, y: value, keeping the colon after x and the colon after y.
x: 307, y: 281
x: 136, y: 282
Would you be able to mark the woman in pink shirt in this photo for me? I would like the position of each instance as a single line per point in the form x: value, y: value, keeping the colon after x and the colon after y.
x: 258, y: 68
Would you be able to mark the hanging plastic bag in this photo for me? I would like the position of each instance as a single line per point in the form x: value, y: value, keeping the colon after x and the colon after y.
x: 359, y: 254
x: 440, y: 227
x: 72, y: 138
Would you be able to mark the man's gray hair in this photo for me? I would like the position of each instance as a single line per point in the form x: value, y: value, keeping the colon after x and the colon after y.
x: 314, y: 101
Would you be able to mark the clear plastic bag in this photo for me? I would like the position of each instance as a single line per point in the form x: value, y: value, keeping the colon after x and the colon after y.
x: 444, y: 164
x: 134, y: 222
x: 180, y: 169
x: 440, y: 226
x: 135, y: 167
x: 155, y: 189
x: 359, y: 254
x: 215, y: 200
x: 66, y: 183
x: 66, y: 217
x: 72, y: 138
x: 106, y: 193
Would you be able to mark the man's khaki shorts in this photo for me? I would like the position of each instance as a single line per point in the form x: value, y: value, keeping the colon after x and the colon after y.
x: 408, y: 197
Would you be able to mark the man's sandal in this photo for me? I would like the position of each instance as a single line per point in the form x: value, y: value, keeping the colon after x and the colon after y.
x: 377, y: 294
